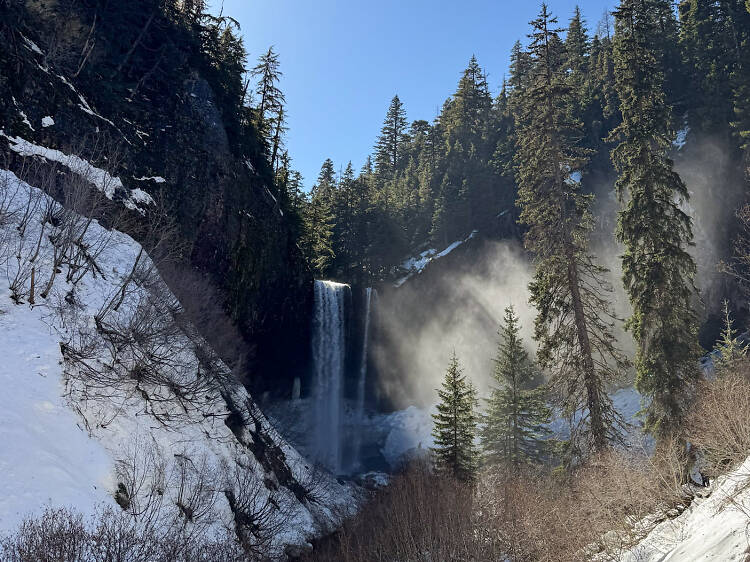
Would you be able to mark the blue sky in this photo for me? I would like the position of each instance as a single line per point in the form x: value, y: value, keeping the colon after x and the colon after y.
x: 344, y: 60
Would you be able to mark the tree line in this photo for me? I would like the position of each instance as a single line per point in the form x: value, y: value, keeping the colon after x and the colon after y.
x: 430, y: 183
x: 647, y: 70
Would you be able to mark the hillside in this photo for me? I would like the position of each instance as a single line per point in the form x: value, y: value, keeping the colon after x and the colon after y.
x: 112, y: 397
x: 163, y: 117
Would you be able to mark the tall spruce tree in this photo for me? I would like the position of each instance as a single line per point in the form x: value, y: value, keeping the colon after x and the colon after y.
x: 390, y: 146
x: 455, y: 425
x: 658, y: 271
x: 574, y: 322
x: 513, y: 430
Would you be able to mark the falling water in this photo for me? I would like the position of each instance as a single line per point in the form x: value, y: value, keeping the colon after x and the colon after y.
x: 329, y: 344
x: 370, y: 295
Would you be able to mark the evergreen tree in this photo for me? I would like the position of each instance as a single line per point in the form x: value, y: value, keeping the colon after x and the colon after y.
x: 574, y: 321
x: 714, y: 39
x: 270, y: 97
x: 390, y: 146
x: 325, y: 187
x: 317, y: 236
x: 729, y: 349
x: 319, y: 220
x: 455, y: 425
x: 513, y: 431
x: 658, y: 272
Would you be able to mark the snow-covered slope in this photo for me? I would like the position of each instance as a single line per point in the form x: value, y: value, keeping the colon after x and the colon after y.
x: 713, y: 528
x: 46, y: 457
x: 415, y: 265
x: 108, y: 391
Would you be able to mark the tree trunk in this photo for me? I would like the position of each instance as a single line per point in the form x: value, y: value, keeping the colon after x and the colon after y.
x: 598, y: 430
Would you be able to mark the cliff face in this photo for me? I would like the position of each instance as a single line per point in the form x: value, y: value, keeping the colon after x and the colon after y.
x: 128, y: 89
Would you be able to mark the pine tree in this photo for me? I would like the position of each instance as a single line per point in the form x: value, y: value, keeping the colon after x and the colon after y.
x: 658, y: 271
x: 390, y: 146
x: 455, y: 425
x: 574, y: 322
x: 513, y: 429
x: 729, y: 349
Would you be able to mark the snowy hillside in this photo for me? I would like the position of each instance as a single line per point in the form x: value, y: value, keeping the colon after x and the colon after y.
x: 714, y: 527
x: 109, y: 393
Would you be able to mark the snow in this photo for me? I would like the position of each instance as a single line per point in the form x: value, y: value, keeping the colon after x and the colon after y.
x: 155, y: 179
x: 31, y: 45
x: 63, y: 439
x: 276, y: 202
x: 26, y: 120
x: 410, y: 434
x: 573, y: 178
x: 710, y: 529
x: 415, y: 265
x: 47, y: 459
x: 101, y: 179
x: 681, y: 138
x: 47, y: 121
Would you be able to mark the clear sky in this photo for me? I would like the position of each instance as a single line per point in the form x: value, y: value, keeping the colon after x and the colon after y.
x: 344, y: 60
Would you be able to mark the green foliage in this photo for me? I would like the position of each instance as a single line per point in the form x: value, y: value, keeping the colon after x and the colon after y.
x: 574, y: 322
x: 513, y: 430
x: 455, y: 425
x: 658, y: 271
x: 390, y: 147
x: 714, y: 39
x: 729, y: 350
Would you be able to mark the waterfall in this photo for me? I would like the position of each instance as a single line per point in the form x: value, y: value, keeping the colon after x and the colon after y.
x: 362, y: 381
x: 359, y: 412
x: 329, y: 346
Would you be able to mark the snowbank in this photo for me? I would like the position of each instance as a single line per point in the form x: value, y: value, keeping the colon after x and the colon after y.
x: 710, y: 529
x: 100, y: 179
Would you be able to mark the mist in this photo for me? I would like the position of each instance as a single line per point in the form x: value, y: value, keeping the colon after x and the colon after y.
x: 454, y: 305
x: 458, y: 302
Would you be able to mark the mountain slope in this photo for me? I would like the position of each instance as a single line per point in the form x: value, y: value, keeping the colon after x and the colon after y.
x: 161, y: 120
x: 112, y: 395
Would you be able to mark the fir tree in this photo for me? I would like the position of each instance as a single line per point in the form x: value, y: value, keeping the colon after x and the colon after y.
x: 574, y: 322
x: 730, y: 350
x: 455, y: 425
x: 658, y: 271
x: 390, y: 146
x: 317, y: 237
x: 513, y: 429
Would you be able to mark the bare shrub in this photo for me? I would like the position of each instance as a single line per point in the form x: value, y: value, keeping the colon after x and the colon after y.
x: 61, y: 535
x: 259, y: 513
x: 718, y: 424
x: 533, y: 515
x: 58, y: 535
x: 420, y: 516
